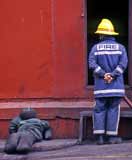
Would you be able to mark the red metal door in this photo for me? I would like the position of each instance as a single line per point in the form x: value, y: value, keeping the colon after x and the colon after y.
x: 69, y: 48
x: 42, y: 49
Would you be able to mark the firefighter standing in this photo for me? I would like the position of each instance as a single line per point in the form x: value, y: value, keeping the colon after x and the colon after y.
x: 108, y: 60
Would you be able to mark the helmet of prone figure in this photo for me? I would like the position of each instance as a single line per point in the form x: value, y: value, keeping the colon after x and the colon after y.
x: 28, y: 113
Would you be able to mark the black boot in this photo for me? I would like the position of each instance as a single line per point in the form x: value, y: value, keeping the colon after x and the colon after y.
x: 114, y: 140
x: 100, y: 139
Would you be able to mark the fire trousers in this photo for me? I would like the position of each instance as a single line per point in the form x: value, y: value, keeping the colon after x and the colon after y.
x: 106, y: 115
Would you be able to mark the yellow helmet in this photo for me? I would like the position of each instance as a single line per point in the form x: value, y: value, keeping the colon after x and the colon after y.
x: 106, y: 27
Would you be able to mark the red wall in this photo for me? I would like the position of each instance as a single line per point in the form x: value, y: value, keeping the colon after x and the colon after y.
x: 25, y: 49
x: 42, y: 49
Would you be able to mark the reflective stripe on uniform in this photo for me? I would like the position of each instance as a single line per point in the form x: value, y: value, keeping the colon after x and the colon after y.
x: 97, y: 69
x: 119, y: 69
x: 109, y: 91
x: 108, y: 52
x: 99, y: 131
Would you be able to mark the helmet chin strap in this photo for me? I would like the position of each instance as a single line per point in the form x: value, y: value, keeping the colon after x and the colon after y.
x: 101, y: 37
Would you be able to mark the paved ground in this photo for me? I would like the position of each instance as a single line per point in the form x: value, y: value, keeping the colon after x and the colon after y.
x: 69, y: 150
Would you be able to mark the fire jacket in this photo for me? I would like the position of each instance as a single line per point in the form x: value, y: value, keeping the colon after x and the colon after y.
x: 34, y: 126
x: 108, y: 56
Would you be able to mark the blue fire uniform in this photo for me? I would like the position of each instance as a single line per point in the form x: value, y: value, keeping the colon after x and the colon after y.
x: 107, y: 56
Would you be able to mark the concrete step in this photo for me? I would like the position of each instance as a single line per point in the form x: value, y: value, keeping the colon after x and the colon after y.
x: 40, y: 147
x: 47, y: 145
x: 88, y: 151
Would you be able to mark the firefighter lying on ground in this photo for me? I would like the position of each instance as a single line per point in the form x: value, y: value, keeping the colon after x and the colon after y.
x: 25, y: 130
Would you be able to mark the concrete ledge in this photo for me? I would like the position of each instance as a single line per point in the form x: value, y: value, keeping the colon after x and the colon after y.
x: 51, y: 109
x: 78, y: 152
x: 49, y: 145
x: 54, y: 144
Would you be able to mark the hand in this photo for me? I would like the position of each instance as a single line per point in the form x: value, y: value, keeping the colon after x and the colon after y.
x: 108, y: 78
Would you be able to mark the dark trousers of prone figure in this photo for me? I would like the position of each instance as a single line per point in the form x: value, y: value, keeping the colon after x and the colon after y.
x: 20, y: 142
